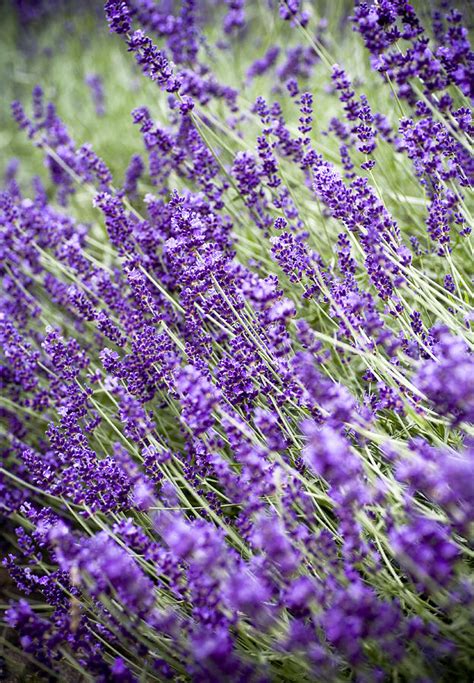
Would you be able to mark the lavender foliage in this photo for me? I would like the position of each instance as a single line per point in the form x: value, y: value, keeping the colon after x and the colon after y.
x: 237, y: 376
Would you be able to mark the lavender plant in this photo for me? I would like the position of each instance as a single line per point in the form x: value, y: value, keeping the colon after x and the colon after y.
x: 237, y: 374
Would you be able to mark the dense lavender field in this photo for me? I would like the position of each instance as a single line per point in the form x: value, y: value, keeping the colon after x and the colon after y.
x: 236, y: 333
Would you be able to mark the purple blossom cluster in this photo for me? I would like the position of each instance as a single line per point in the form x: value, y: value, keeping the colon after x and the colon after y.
x: 424, y: 71
x: 232, y: 449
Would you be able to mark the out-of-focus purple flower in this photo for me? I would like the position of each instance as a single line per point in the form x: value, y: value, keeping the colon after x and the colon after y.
x: 198, y: 396
x: 120, y: 673
x: 291, y: 10
x: 424, y: 548
x: 96, y: 85
x: 357, y: 614
x: 235, y: 17
x: 133, y: 174
x: 109, y: 566
x: 262, y: 65
x: 448, y: 382
x: 269, y: 535
x: 443, y: 476
x: 328, y: 454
